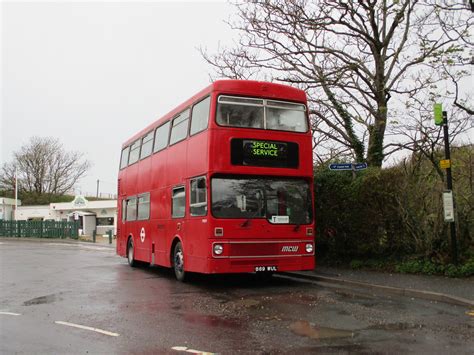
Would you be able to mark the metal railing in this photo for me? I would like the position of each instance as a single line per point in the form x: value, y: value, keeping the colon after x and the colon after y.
x: 39, y: 229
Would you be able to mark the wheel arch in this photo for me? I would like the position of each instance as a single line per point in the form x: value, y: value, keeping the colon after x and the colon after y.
x: 130, y: 236
x: 175, y: 241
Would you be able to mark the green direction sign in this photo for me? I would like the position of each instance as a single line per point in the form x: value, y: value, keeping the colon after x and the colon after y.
x: 438, y: 114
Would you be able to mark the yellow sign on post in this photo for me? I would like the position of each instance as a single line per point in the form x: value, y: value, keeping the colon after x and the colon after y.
x: 445, y: 164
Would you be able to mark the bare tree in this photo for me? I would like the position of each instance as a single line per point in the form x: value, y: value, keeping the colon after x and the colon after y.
x: 44, y: 167
x: 351, y: 57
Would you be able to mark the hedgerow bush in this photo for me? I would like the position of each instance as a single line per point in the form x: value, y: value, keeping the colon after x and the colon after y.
x: 394, y: 213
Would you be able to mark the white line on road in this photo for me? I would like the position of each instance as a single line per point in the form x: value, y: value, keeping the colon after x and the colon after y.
x: 87, y: 328
x: 10, y: 313
x: 186, y: 349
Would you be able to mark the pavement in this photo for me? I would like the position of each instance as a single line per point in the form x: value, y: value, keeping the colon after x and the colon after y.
x: 458, y: 291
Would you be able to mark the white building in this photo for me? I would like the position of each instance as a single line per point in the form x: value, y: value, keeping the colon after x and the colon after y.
x: 99, y: 215
x: 7, y: 208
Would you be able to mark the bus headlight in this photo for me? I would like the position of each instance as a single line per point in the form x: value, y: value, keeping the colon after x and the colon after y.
x: 309, y: 248
x: 218, y: 249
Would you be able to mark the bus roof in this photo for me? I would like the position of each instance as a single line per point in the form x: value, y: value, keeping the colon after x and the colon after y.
x: 231, y: 87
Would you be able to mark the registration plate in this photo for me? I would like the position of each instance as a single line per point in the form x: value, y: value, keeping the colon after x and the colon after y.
x: 265, y: 268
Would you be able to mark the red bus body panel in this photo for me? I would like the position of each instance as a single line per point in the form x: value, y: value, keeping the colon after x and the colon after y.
x: 246, y: 246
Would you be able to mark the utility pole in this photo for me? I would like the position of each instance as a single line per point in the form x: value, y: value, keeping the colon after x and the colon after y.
x: 449, y: 186
x: 97, y: 194
x: 441, y: 119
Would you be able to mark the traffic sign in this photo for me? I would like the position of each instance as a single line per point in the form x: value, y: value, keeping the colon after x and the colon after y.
x: 348, y: 166
x: 344, y: 166
x: 445, y: 164
x: 360, y: 166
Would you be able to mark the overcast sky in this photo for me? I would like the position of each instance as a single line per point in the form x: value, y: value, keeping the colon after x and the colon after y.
x: 93, y: 74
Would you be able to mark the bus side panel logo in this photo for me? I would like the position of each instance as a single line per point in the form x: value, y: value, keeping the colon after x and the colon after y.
x: 142, y: 234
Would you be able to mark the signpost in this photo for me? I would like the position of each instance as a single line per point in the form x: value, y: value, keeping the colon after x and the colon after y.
x: 360, y: 166
x: 344, y: 166
x: 441, y: 118
x: 348, y: 166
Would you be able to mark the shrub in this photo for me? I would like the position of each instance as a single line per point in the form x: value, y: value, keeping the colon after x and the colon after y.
x: 394, y: 213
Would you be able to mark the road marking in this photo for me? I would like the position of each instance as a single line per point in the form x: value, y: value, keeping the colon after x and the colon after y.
x: 186, y: 349
x: 87, y: 328
x: 10, y: 313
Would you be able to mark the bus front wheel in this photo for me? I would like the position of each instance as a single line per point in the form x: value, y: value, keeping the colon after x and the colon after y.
x: 178, y: 262
x: 130, y: 256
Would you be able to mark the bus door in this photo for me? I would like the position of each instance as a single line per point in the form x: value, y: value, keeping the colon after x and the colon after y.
x: 197, y: 223
x: 178, y: 210
x: 143, y: 232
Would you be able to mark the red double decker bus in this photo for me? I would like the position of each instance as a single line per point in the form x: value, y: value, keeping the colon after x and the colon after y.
x: 221, y: 184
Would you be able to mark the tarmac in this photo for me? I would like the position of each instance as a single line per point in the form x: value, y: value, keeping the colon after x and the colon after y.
x: 458, y: 291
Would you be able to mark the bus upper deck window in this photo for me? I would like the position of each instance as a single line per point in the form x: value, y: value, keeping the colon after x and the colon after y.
x: 286, y: 116
x: 200, y: 116
x: 134, y: 152
x: 124, y: 158
x: 240, y: 112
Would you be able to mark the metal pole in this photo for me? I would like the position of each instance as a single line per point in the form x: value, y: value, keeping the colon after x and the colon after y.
x: 449, y: 185
x: 16, y: 192
x: 97, y: 194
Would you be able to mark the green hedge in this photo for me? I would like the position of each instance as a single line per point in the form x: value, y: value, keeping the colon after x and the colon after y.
x: 394, y: 213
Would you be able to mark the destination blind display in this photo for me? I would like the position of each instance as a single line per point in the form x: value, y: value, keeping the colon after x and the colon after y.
x: 263, y: 148
x: 264, y: 153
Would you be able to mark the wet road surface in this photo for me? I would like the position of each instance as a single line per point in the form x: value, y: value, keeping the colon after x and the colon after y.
x: 82, y: 298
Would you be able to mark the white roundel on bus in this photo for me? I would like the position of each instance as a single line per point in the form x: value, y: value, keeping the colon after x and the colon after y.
x: 142, y: 234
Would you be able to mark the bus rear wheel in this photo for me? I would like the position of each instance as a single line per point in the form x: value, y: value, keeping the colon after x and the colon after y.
x: 178, y: 262
x: 130, y: 256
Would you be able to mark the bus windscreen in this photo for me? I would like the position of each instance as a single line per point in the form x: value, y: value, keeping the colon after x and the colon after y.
x: 282, y: 201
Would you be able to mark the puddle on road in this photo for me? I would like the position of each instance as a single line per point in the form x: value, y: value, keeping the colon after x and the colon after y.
x: 211, y: 321
x: 42, y: 300
x: 304, y: 328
